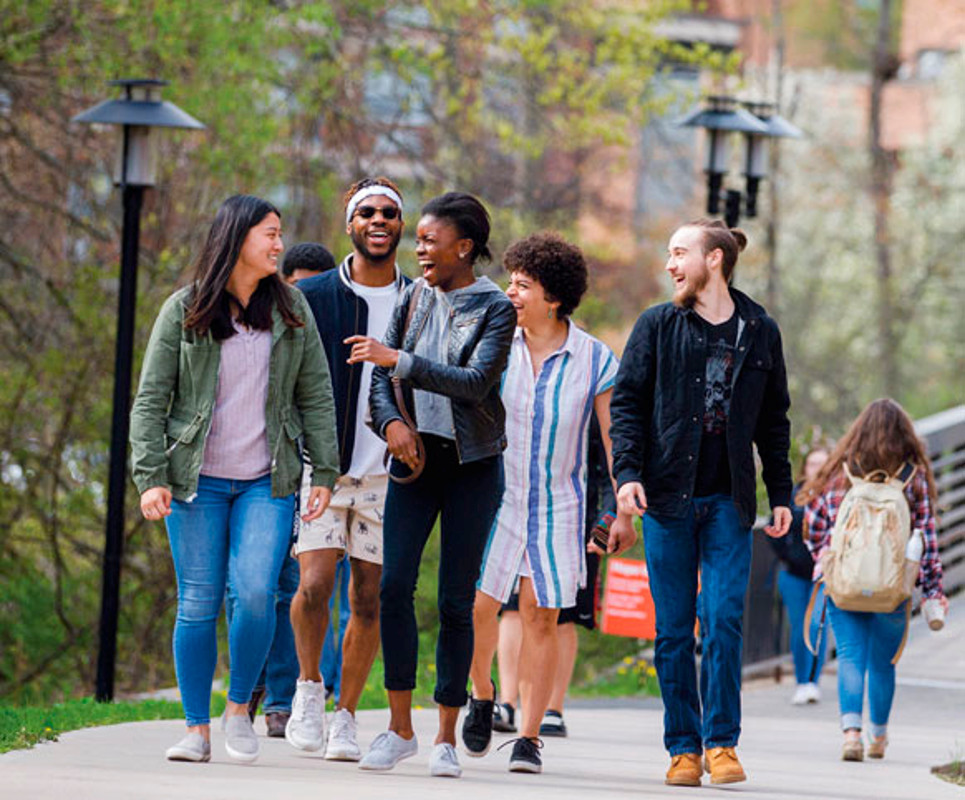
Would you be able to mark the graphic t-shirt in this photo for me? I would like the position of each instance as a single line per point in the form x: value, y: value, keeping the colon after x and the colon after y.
x: 713, y: 471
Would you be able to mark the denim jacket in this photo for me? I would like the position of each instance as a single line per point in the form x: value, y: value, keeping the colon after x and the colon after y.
x: 478, y: 349
x: 658, y: 404
x: 172, y: 411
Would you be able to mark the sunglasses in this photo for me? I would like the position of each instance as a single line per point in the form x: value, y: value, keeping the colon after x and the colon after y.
x: 367, y: 212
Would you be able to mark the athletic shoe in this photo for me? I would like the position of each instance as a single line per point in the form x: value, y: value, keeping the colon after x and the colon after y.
x: 444, y: 763
x: 240, y: 741
x: 193, y: 747
x: 343, y: 737
x: 876, y: 746
x: 852, y: 749
x: 477, y: 727
x: 257, y: 695
x: 306, y: 726
x: 276, y: 722
x: 806, y: 693
x: 685, y: 770
x: 552, y: 724
x: 723, y: 765
x: 525, y: 756
x: 504, y: 718
x: 387, y: 750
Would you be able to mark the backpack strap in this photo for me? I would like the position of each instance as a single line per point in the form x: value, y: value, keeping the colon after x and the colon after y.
x: 904, y: 638
x: 905, y: 473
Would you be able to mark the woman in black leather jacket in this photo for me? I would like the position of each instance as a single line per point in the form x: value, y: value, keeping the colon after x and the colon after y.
x: 449, y: 354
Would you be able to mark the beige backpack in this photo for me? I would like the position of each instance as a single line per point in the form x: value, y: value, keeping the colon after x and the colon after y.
x: 864, y: 566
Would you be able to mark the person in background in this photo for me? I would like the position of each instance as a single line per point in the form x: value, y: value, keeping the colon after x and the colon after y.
x: 882, y: 438
x: 447, y: 343
x: 234, y: 374
x: 276, y: 684
x: 794, y: 581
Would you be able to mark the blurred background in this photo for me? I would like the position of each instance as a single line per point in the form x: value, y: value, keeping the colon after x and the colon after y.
x: 559, y: 114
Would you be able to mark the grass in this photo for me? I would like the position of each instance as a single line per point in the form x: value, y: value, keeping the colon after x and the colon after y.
x: 953, y: 771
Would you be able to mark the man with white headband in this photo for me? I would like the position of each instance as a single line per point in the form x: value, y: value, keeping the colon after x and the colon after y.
x: 355, y: 299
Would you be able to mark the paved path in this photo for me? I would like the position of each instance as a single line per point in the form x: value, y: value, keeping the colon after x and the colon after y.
x: 614, y: 751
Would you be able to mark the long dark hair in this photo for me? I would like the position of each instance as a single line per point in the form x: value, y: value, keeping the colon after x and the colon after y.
x: 210, y: 307
x: 883, y: 437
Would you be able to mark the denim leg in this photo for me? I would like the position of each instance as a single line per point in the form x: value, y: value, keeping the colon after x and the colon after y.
x: 410, y: 511
x: 330, y: 665
x: 281, y: 669
x: 725, y: 563
x: 887, y: 631
x: 671, y: 550
x: 852, y: 633
x: 468, y: 512
x: 260, y: 535
x: 796, y: 592
x: 198, y: 535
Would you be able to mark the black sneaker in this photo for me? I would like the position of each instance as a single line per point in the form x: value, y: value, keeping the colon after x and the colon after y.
x: 552, y: 724
x: 525, y: 757
x: 257, y: 695
x: 504, y: 718
x: 477, y: 727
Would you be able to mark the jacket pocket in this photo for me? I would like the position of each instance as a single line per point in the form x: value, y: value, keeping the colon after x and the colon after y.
x: 180, y: 431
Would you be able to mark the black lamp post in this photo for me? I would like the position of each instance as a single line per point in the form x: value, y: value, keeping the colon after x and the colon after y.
x: 721, y: 118
x: 138, y: 111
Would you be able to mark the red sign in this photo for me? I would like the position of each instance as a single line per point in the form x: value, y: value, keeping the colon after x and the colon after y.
x: 627, y: 602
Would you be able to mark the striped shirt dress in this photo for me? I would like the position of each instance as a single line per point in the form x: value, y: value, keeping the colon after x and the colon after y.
x: 539, y: 528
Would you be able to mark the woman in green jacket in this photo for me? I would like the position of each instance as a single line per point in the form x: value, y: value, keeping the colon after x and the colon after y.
x: 234, y: 375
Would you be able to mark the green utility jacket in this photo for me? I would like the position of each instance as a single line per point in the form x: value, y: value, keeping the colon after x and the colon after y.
x: 175, y: 399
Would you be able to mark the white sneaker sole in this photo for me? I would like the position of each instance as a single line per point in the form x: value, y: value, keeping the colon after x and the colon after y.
x: 385, y: 767
x: 173, y: 754
x: 308, y: 745
x: 236, y: 755
x: 445, y: 772
x: 474, y: 753
x: 525, y: 766
x: 343, y: 754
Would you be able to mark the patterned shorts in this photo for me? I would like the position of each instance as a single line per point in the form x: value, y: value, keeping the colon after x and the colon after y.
x: 352, y: 522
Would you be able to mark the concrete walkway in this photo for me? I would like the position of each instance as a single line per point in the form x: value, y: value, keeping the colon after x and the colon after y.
x: 614, y: 751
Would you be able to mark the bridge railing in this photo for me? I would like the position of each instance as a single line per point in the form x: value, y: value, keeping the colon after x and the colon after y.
x: 765, y: 624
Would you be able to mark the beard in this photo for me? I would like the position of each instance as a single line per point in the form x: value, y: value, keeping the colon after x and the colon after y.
x: 686, y: 295
x: 358, y: 241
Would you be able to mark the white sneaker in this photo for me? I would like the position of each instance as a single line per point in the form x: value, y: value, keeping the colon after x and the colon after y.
x: 444, y: 763
x: 800, y: 696
x: 387, y: 750
x: 343, y: 737
x: 306, y: 726
x: 813, y: 692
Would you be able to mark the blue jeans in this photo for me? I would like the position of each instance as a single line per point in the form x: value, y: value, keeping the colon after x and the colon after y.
x: 866, y: 644
x: 466, y: 497
x: 711, y: 539
x: 795, y: 592
x: 331, y: 662
x: 281, y: 669
x: 231, y: 528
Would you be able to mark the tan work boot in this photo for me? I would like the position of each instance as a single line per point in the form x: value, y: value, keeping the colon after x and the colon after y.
x: 684, y: 770
x: 723, y: 766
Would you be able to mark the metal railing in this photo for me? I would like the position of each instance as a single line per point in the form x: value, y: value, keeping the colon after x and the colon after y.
x: 765, y: 624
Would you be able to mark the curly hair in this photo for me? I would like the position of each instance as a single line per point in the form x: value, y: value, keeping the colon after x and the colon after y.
x: 558, y: 266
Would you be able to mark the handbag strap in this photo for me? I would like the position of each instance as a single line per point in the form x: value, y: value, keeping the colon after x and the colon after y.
x: 407, y: 419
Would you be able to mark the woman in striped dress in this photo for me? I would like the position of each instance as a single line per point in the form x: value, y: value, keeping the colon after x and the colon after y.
x: 557, y: 376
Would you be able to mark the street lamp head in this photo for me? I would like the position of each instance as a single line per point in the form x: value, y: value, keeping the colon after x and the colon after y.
x: 720, y: 118
x: 139, y: 111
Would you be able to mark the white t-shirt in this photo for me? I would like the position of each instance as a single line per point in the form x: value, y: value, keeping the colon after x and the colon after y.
x: 369, y: 449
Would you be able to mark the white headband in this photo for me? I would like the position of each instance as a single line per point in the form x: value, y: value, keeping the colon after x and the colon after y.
x: 371, y: 191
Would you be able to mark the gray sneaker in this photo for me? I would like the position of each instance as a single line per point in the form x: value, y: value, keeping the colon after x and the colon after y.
x: 240, y: 741
x: 306, y: 726
x: 387, y: 750
x: 444, y: 763
x: 193, y: 747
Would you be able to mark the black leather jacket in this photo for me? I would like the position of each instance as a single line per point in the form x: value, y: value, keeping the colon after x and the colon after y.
x: 656, y: 412
x: 478, y: 349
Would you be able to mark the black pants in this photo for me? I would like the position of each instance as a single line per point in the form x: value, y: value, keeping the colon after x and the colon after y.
x: 467, y: 496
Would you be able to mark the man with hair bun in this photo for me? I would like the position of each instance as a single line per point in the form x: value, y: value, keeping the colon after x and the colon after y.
x: 355, y: 299
x: 702, y: 381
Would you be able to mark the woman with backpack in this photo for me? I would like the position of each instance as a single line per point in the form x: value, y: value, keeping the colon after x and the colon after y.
x: 881, y: 447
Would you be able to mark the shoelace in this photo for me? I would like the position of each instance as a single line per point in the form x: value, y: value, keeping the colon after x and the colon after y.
x: 308, y: 703
x: 449, y: 754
